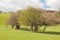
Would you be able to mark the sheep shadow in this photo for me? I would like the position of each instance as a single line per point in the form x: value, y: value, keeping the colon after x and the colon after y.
x: 50, y: 32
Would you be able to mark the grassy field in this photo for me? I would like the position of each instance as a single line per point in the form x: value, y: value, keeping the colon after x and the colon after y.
x: 7, y: 33
x: 3, y: 18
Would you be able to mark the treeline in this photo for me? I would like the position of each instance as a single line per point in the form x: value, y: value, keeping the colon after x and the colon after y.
x: 34, y: 18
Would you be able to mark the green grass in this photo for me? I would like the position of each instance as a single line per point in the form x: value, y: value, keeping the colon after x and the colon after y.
x: 3, y: 18
x: 7, y: 33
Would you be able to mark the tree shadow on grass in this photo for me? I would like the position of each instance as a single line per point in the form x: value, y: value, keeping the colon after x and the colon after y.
x: 50, y: 32
x: 46, y: 32
x: 25, y: 29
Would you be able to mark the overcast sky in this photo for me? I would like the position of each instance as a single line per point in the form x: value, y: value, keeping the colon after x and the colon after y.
x: 14, y: 5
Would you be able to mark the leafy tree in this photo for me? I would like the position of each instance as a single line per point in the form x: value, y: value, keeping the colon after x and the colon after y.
x: 31, y: 17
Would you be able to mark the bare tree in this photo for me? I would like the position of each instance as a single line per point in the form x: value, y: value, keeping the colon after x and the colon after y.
x: 13, y: 20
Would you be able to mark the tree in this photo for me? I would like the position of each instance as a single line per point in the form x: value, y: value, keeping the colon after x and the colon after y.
x: 48, y: 19
x: 34, y: 18
x: 31, y: 17
x: 13, y: 20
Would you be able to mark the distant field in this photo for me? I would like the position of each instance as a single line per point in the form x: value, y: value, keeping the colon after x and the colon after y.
x: 3, y: 18
x: 7, y: 33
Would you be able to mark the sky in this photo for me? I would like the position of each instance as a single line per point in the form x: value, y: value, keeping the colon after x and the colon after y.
x: 14, y: 5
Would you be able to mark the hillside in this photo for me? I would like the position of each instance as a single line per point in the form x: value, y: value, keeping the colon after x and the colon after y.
x: 8, y: 33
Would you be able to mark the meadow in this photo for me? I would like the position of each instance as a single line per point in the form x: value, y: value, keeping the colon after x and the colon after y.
x: 7, y: 33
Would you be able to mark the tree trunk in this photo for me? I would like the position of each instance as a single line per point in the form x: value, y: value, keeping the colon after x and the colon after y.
x: 12, y: 26
x: 31, y: 28
x: 17, y: 26
x: 44, y: 29
x: 36, y: 29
